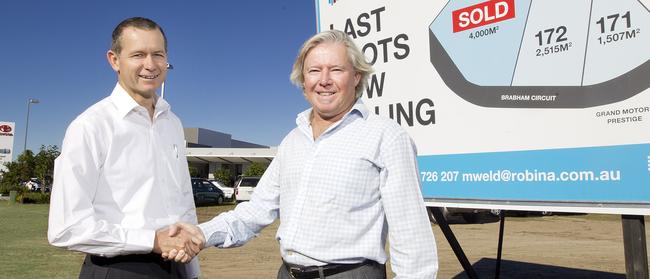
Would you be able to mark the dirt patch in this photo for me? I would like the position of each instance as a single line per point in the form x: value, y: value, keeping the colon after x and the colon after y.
x: 559, y: 246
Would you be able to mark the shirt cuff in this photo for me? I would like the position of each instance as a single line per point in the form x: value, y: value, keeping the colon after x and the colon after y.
x: 212, y: 238
x: 139, y: 241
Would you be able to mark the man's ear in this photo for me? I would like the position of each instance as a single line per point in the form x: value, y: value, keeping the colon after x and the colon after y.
x: 113, y: 60
x: 357, y: 78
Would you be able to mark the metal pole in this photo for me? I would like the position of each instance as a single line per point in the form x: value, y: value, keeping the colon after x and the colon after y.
x: 162, y: 88
x: 497, y: 272
x: 453, y: 242
x: 634, y: 244
x: 29, y: 102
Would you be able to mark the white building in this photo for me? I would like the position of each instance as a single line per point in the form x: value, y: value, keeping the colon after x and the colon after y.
x: 208, y: 151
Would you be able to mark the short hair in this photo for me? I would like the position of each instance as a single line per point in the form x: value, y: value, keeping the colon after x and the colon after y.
x: 136, y: 22
x: 357, y: 59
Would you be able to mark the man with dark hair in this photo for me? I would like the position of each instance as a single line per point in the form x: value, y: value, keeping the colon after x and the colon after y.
x: 135, y: 22
x: 122, y: 175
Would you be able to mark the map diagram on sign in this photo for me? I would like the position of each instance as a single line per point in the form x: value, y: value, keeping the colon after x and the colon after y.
x: 542, y: 53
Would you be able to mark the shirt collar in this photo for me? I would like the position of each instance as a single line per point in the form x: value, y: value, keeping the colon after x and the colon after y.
x: 303, y: 118
x: 125, y: 103
x: 161, y: 106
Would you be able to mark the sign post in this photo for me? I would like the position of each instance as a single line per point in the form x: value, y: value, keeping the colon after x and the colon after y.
x: 634, y: 241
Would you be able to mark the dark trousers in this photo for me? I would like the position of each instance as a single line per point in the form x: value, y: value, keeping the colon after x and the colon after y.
x: 145, y: 266
x: 373, y: 270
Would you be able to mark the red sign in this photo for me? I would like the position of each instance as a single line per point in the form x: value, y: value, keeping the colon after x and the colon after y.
x: 5, y: 128
x: 482, y: 14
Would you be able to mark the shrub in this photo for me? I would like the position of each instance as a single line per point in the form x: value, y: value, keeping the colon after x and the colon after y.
x: 255, y: 169
x: 194, y: 172
x: 4, y: 189
x: 34, y: 197
x: 223, y: 175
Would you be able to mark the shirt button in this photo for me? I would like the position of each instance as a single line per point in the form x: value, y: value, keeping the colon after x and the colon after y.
x: 290, y: 253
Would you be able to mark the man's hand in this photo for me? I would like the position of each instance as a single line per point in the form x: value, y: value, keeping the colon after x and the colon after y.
x: 192, y: 238
x: 180, y: 242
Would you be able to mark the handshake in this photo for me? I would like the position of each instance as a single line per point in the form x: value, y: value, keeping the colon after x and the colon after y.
x: 179, y: 242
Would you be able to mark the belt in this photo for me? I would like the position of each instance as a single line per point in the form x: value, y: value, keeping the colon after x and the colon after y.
x: 133, y: 258
x: 306, y: 272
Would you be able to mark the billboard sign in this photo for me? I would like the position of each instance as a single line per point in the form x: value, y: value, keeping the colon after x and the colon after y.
x: 514, y: 104
x: 6, y: 143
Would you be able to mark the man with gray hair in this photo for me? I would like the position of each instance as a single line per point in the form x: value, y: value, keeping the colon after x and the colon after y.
x: 341, y: 182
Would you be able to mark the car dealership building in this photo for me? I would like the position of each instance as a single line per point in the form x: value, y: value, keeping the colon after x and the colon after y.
x: 208, y: 151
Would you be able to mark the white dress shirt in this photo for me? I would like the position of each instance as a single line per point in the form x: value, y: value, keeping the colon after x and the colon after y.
x: 338, y: 197
x: 119, y: 178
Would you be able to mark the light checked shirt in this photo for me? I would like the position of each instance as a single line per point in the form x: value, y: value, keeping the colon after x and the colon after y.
x: 119, y: 178
x: 338, y: 197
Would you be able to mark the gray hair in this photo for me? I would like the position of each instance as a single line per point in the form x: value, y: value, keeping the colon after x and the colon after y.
x: 357, y: 59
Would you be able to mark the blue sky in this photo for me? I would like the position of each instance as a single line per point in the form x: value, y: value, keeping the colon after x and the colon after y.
x: 231, y: 63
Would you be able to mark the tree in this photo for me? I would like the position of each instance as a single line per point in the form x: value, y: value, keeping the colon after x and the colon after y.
x: 255, y: 169
x: 28, y: 166
x: 17, y: 172
x: 44, y: 164
x: 10, y: 179
x: 223, y: 175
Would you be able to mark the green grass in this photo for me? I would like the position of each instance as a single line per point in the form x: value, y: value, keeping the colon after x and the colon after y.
x: 25, y: 251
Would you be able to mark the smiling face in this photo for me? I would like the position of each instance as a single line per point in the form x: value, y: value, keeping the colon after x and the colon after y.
x: 329, y: 81
x: 141, y: 64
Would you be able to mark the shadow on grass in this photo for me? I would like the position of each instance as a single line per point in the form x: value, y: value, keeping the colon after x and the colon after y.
x: 485, y: 268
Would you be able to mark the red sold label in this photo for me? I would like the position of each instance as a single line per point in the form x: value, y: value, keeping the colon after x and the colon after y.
x: 482, y: 14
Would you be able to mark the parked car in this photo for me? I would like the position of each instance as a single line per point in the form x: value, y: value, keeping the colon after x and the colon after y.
x: 205, y: 192
x: 244, y: 187
x: 469, y: 215
x: 228, y: 191
x: 35, y: 185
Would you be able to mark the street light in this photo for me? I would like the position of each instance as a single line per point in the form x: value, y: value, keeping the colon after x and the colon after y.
x: 29, y: 104
x: 162, y: 90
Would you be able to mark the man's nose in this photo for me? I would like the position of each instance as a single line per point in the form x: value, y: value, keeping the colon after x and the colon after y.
x: 149, y: 63
x: 325, y: 78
